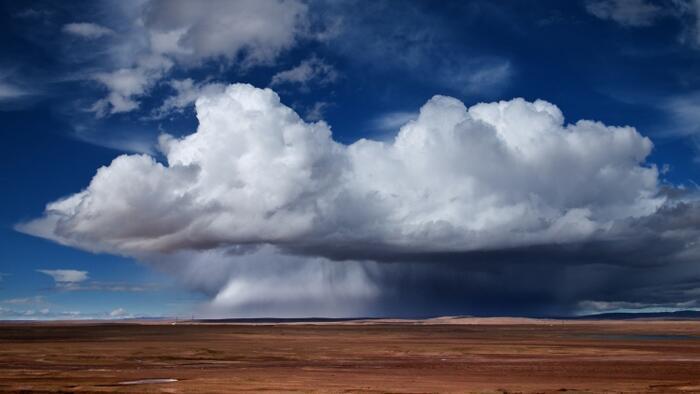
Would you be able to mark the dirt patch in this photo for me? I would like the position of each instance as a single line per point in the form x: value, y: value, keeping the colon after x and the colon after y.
x: 448, y: 355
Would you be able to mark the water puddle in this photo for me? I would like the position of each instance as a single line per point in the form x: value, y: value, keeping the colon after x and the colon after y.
x: 147, y: 381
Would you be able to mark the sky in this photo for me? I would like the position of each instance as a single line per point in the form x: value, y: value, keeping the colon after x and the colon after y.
x: 292, y: 158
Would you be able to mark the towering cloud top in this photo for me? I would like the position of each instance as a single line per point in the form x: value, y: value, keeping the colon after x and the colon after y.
x: 494, y: 175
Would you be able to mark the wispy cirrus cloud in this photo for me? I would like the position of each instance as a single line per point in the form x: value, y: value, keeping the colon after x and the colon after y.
x: 25, y: 300
x: 185, y: 34
x: 646, y: 13
x: 310, y: 71
x: 75, y: 280
x: 626, y: 12
x: 684, y: 113
x: 11, y: 92
x: 112, y: 287
x: 186, y: 93
x: 64, y: 277
x: 87, y: 30
x: 14, y: 89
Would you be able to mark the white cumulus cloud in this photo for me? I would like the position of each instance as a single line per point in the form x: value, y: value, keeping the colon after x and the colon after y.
x: 494, y: 175
x: 118, y: 313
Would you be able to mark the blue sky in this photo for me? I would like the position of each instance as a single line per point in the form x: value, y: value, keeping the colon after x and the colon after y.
x: 82, y: 83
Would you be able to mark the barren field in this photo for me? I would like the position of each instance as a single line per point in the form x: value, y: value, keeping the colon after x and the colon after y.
x: 441, y: 355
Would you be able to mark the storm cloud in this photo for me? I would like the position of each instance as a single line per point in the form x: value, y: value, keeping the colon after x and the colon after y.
x: 499, y: 206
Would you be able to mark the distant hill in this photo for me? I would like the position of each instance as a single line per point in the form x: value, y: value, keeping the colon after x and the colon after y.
x: 454, y: 319
x: 268, y: 320
x: 678, y: 315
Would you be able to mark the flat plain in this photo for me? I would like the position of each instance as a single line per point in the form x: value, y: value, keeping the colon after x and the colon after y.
x: 398, y: 356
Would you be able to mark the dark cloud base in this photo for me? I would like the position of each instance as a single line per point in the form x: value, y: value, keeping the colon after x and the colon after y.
x: 649, y: 262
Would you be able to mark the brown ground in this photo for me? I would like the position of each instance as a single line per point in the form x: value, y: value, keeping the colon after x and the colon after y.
x: 443, y: 355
